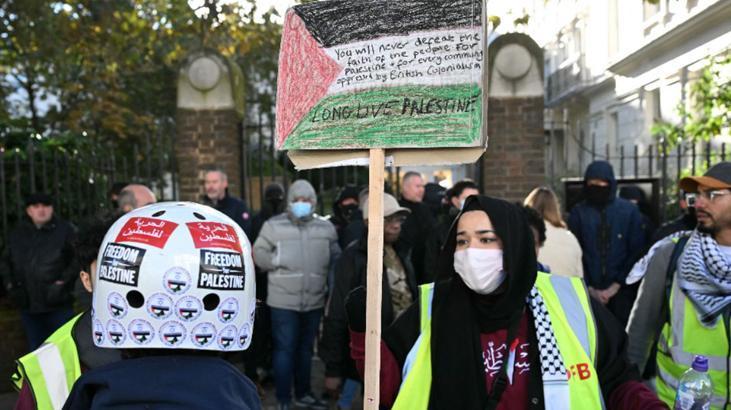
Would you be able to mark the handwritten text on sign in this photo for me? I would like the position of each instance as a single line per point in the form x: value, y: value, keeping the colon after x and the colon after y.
x: 438, y: 57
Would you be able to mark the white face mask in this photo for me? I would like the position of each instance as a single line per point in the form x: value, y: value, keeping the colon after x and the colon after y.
x: 480, y: 269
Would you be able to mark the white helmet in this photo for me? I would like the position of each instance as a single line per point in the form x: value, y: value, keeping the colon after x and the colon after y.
x: 174, y: 275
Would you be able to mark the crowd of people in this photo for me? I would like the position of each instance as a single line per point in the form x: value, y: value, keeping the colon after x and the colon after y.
x: 529, y: 308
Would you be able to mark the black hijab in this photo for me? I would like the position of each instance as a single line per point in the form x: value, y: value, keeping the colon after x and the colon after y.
x: 459, y: 314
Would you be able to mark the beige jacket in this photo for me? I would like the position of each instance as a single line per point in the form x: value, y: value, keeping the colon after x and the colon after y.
x: 561, y: 252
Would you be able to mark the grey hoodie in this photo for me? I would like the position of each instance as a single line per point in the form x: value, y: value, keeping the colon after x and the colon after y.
x: 296, y: 254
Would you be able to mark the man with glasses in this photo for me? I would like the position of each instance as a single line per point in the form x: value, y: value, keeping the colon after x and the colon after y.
x: 684, y: 301
x: 399, y: 291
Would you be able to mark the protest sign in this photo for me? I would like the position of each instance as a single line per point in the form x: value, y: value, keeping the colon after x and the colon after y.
x: 381, y: 82
x: 381, y: 74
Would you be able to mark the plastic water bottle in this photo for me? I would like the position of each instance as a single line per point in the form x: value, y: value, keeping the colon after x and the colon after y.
x: 695, y: 389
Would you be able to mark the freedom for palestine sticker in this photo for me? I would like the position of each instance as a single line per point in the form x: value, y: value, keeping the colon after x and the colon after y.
x: 121, y: 264
x: 221, y: 270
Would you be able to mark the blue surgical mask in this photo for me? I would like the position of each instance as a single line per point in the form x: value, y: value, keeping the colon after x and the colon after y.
x: 300, y: 209
x: 461, y: 204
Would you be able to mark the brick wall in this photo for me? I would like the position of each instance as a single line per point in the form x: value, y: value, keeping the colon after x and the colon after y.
x: 514, y: 162
x: 205, y: 138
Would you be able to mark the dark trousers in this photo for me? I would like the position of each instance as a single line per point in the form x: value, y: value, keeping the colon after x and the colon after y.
x: 621, y: 304
x: 293, y: 335
x: 38, y: 326
x: 259, y: 354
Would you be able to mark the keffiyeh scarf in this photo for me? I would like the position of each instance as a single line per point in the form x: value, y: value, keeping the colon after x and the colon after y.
x: 553, y: 370
x: 704, y: 275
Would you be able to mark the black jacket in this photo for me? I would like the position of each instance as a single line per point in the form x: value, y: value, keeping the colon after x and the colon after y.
x: 434, y: 243
x: 34, y: 259
x: 350, y: 273
x: 685, y: 222
x: 234, y: 208
x: 414, y: 234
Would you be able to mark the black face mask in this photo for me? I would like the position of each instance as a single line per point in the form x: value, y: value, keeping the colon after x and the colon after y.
x: 275, y: 204
x: 597, y: 195
x: 347, y: 211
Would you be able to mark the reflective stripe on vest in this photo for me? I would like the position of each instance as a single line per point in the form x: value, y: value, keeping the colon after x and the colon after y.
x: 52, y: 369
x: 683, y: 337
x: 416, y: 375
x: 567, y: 302
x: 573, y: 324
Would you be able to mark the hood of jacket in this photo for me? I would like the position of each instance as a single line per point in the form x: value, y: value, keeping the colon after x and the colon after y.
x: 602, y: 170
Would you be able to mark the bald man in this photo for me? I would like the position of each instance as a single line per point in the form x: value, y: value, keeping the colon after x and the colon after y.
x: 135, y: 196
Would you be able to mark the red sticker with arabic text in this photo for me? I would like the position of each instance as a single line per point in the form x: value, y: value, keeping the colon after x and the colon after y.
x: 214, y: 235
x: 150, y: 231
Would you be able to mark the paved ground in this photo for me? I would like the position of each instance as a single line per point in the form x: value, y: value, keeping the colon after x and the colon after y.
x: 7, y: 400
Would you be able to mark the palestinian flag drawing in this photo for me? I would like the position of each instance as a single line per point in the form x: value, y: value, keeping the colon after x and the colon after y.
x: 381, y: 74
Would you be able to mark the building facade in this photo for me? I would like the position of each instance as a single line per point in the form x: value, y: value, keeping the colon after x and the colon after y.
x: 613, y: 68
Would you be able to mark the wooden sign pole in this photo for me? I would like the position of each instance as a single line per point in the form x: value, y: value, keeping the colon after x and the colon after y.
x: 374, y: 279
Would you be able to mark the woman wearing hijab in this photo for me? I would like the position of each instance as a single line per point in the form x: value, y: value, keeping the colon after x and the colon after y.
x: 492, y: 333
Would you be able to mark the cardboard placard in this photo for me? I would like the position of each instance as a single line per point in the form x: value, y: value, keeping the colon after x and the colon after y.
x: 367, y: 74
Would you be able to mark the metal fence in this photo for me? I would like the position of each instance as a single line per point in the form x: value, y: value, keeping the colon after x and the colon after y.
x: 264, y: 164
x: 79, y: 179
x: 659, y: 161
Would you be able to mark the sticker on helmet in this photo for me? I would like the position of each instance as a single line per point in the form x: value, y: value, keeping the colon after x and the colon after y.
x: 203, y: 334
x: 214, y: 235
x: 117, y: 305
x: 121, y: 264
x: 244, y: 335
x: 98, y: 332
x: 115, y: 332
x: 227, y: 337
x: 188, y: 308
x: 172, y: 333
x: 141, y: 331
x: 159, y: 306
x: 176, y: 280
x: 150, y: 231
x: 228, y: 310
x: 221, y: 270
x: 252, y: 311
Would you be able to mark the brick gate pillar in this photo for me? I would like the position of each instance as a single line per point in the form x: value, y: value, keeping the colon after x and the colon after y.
x: 209, y: 112
x: 515, y: 159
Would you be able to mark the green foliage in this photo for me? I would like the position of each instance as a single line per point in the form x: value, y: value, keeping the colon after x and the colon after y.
x: 709, y: 112
x: 108, y: 68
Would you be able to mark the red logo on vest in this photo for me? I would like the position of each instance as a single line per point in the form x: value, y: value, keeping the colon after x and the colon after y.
x: 150, y: 231
x: 581, y: 370
x: 214, y: 235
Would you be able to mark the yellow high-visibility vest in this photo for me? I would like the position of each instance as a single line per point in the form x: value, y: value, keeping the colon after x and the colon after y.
x: 572, y: 321
x: 682, y: 337
x: 52, y: 369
